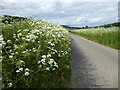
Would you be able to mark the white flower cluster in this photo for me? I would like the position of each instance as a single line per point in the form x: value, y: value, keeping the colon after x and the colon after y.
x: 10, y: 84
x: 27, y: 45
x: 31, y: 37
x: 47, y: 61
x: 2, y: 43
x: 26, y: 71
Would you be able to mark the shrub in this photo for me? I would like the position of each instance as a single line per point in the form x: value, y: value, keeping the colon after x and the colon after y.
x: 36, y: 54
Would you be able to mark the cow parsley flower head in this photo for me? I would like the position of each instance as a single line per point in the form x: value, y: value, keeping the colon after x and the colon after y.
x: 10, y: 56
x: 40, y: 66
x: 42, y: 60
x: 10, y: 84
x: 26, y: 69
x: 53, y: 69
x: 51, y: 61
x: 43, y: 56
x: 17, y: 71
x: 47, y: 68
x: 21, y: 69
x: 8, y: 41
x: 49, y: 55
x: 38, y: 62
x: 27, y: 73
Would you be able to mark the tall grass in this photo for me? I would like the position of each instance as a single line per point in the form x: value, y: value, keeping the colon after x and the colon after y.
x: 35, y: 54
x: 105, y: 36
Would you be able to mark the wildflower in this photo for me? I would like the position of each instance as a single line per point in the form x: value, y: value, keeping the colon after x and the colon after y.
x: 32, y: 36
x: 49, y: 55
x: 33, y: 40
x: 21, y: 69
x: 8, y: 41
x: 40, y: 66
x: 10, y: 84
x: 21, y: 62
x: 55, y: 64
x: 49, y: 42
x: 12, y: 53
x: 27, y: 73
x: 38, y: 62
x: 42, y: 60
x: 51, y: 61
x: 17, y: 71
x: 10, y: 56
x: 52, y: 44
x: 40, y: 32
x: 47, y: 68
x: 59, y: 55
x: 24, y: 52
x: 20, y: 34
x: 43, y: 63
x: 43, y: 56
x: 53, y: 69
x: 30, y: 49
x: 3, y: 43
x: 53, y: 35
x: 26, y: 69
x: 53, y: 52
x: 38, y: 41
x: 15, y: 46
x: 28, y: 40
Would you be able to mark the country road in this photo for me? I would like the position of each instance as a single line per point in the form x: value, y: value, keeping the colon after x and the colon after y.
x: 93, y: 65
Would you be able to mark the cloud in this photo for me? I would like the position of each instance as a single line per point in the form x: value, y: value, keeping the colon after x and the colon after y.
x: 62, y: 1
x: 62, y: 11
x: 71, y: 13
x: 79, y: 19
x: 93, y: 20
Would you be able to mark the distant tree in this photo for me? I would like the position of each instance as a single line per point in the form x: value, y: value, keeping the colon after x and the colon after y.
x: 65, y: 26
x: 86, y: 27
x: 83, y: 28
x: 9, y: 19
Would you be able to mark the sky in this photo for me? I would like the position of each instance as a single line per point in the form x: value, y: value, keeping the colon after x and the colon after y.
x: 76, y: 13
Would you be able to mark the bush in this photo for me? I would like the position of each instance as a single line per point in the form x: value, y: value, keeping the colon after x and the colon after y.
x: 36, y: 54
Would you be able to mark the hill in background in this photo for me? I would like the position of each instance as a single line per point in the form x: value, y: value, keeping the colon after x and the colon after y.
x: 8, y: 19
x: 115, y: 24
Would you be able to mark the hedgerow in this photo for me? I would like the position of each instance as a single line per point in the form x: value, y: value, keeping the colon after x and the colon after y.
x: 35, y: 54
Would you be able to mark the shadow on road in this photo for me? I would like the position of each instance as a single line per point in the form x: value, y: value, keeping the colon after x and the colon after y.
x: 81, y: 77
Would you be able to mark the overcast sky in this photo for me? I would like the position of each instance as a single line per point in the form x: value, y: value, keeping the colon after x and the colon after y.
x: 74, y: 12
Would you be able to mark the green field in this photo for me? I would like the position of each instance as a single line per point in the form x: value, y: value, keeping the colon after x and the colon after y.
x: 106, y: 36
x: 36, y: 54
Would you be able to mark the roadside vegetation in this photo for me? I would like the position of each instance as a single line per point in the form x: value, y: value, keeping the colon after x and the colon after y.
x: 35, y: 54
x: 106, y: 36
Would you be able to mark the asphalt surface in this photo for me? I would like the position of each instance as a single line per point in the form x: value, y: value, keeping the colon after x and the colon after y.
x: 93, y: 65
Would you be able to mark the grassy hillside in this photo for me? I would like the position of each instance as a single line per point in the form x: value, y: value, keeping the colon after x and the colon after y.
x: 105, y: 36
x: 36, y: 54
x: 116, y: 24
x: 9, y: 19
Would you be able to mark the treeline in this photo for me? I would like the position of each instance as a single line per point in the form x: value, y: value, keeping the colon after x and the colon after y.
x: 9, y: 19
x: 116, y: 24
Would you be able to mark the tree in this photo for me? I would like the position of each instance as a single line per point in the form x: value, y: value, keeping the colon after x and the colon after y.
x: 86, y: 27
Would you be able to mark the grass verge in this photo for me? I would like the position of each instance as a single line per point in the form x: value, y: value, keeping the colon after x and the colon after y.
x: 106, y: 36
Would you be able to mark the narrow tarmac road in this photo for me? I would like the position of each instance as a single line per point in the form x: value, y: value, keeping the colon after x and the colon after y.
x: 93, y: 65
